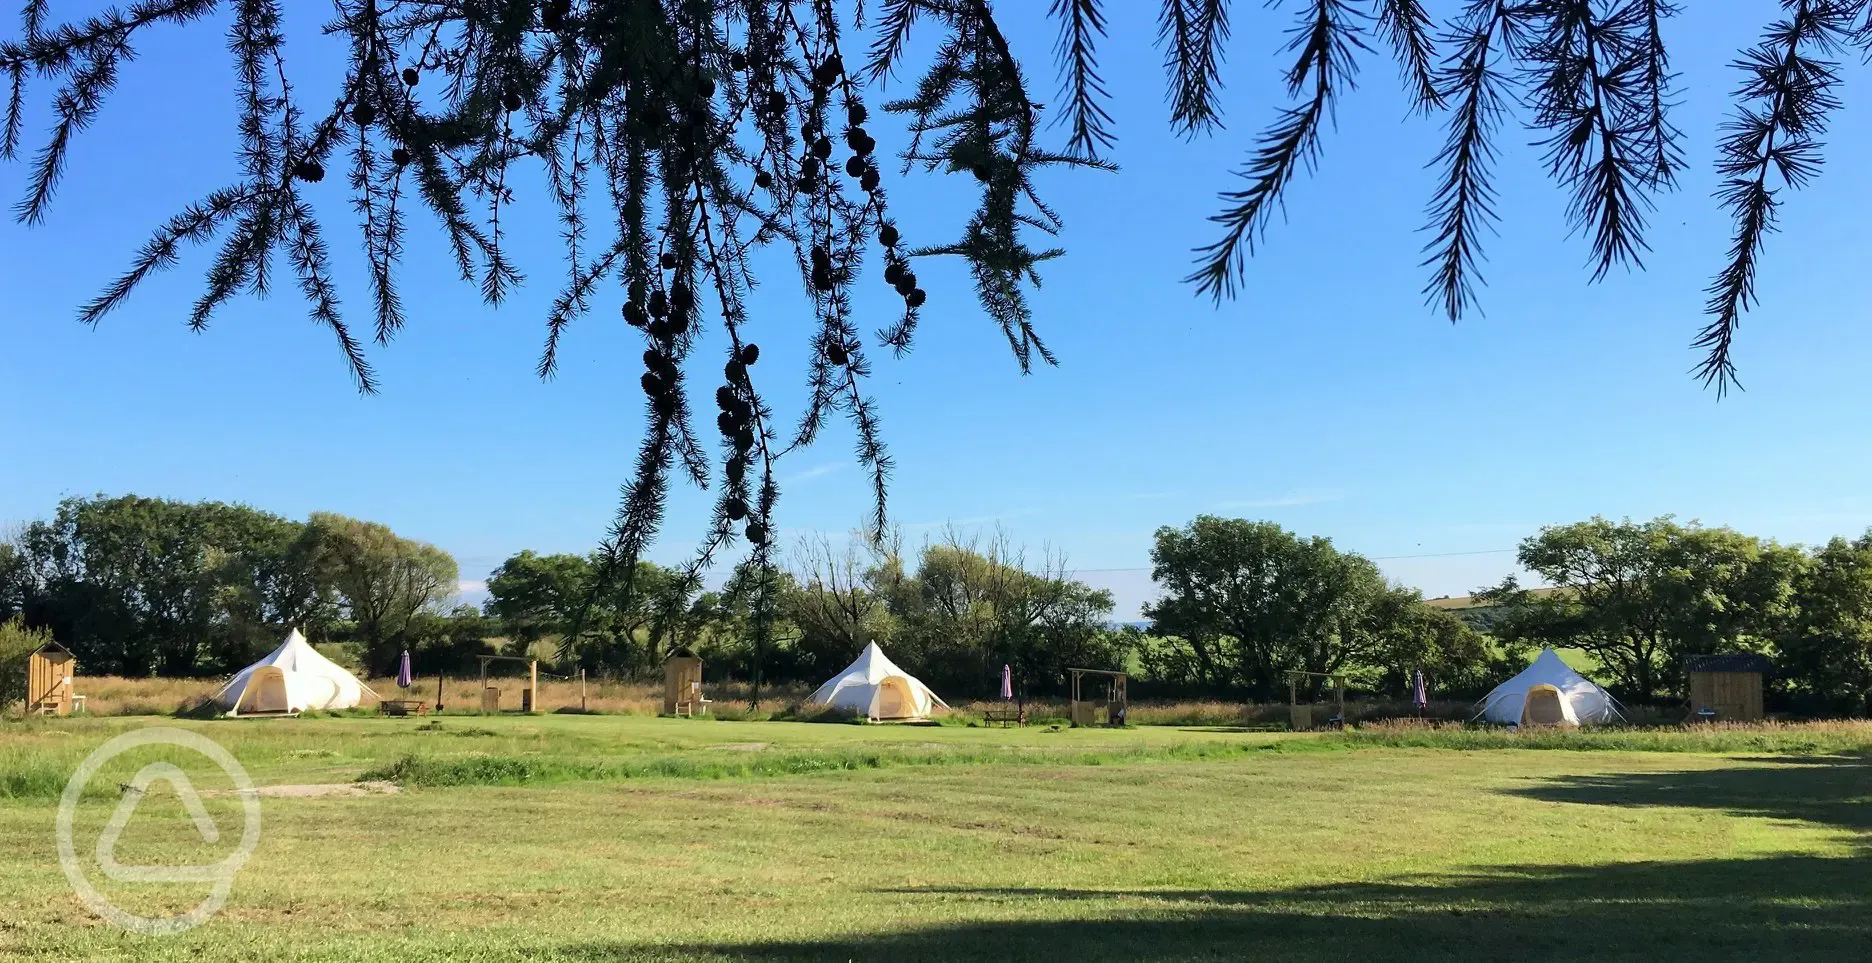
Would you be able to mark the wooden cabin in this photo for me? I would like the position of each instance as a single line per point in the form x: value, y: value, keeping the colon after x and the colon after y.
x: 49, y: 680
x: 682, y: 684
x: 1727, y: 688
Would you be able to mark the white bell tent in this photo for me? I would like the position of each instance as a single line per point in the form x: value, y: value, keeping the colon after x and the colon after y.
x: 291, y: 680
x: 1550, y: 693
x: 875, y: 686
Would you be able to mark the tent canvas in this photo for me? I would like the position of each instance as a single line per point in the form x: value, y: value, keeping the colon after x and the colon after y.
x: 875, y: 686
x: 292, y: 679
x: 1549, y: 692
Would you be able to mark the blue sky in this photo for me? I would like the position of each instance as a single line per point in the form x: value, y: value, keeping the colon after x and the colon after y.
x: 1327, y: 398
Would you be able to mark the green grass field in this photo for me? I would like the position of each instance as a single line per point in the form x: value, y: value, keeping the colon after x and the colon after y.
x: 594, y: 838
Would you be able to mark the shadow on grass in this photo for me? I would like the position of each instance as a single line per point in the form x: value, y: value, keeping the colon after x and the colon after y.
x: 1777, y: 907
x: 1828, y: 790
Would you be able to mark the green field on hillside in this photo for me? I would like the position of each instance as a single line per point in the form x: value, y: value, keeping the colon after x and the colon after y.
x: 630, y: 838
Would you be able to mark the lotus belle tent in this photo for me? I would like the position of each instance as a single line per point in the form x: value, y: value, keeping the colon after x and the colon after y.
x: 1548, y: 693
x: 875, y: 686
x: 291, y: 680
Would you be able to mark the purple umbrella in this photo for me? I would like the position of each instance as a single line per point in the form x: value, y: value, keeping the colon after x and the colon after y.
x: 1420, y: 694
x: 403, y: 672
x: 1007, y: 683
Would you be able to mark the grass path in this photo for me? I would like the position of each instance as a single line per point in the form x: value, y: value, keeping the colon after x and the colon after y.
x: 1386, y: 853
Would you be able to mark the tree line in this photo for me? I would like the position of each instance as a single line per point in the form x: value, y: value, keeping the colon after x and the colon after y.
x: 141, y: 586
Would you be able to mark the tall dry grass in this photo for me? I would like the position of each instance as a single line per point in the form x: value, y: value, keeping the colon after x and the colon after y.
x: 110, y: 695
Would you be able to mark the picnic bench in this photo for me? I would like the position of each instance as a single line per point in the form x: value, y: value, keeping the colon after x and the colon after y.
x: 1013, y: 715
x: 403, y: 707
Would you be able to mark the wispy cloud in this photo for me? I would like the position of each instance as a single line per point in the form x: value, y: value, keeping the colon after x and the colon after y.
x: 817, y: 471
x: 470, y: 586
x: 1292, y: 499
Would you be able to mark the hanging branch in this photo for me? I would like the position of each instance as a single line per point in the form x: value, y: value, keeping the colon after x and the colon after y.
x: 1192, y: 33
x: 1787, y: 99
x: 1325, y: 39
x: 1474, y: 85
x: 1405, y: 26
x: 1082, y: 25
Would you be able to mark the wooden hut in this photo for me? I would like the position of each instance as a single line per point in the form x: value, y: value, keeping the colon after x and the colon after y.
x: 682, y: 684
x: 1727, y: 688
x: 49, y: 680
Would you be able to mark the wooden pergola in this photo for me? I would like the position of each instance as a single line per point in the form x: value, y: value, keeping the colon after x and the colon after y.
x: 1083, y: 712
x: 1301, y: 716
x: 529, y: 697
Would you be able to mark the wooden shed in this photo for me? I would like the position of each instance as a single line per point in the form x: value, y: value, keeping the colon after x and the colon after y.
x: 49, y: 680
x: 682, y: 684
x: 1729, y: 687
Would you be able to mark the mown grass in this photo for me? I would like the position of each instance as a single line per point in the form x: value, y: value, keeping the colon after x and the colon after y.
x: 584, y: 839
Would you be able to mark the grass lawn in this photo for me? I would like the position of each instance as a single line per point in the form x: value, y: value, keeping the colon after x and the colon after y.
x: 631, y: 838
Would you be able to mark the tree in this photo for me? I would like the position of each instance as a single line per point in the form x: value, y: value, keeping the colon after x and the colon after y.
x: 130, y: 584
x: 384, y: 581
x: 839, y: 599
x: 17, y: 641
x: 1642, y: 596
x: 268, y: 581
x: 1826, y: 654
x: 623, y: 627
x: 537, y: 595
x: 13, y: 585
x: 709, y: 129
x: 1255, y: 601
x: 1412, y: 636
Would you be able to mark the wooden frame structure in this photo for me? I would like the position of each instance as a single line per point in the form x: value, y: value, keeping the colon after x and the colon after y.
x: 1300, y: 717
x: 529, y: 697
x: 1085, y: 713
x: 49, y: 680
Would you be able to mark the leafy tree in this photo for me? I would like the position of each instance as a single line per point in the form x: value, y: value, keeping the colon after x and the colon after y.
x: 268, y: 581
x: 710, y: 129
x: 384, y: 581
x: 1255, y: 601
x: 132, y: 584
x: 621, y: 626
x: 17, y: 641
x: 1454, y: 658
x: 1826, y: 653
x: 1641, y: 596
x: 449, y: 643
x: 537, y: 595
x: 13, y: 584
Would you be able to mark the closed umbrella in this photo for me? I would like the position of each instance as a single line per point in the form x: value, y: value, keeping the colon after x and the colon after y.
x: 1007, y: 683
x: 1420, y: 694
x: 403, y: 671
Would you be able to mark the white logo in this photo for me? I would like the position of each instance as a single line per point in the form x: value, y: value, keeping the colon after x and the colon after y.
x: 221, y: 874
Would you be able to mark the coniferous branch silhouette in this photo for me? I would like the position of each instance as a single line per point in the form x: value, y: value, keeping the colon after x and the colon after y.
x: 715, y: 128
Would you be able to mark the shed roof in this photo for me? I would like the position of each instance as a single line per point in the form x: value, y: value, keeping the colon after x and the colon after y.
x: 1732, y: 662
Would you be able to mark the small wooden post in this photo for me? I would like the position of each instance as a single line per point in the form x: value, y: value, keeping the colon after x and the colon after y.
x: 533, y: 685
x: 438, y: 692
x: 581, y: 690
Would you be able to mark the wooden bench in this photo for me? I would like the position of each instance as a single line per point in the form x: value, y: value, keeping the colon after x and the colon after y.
x: 403, y: 707
x: 1015, y: 716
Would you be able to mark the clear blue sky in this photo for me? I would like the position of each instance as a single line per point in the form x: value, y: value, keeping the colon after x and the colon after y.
x: 1328, y: 398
